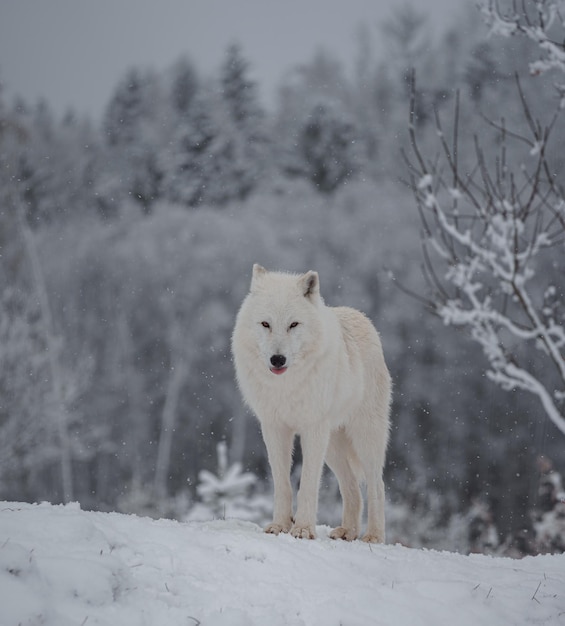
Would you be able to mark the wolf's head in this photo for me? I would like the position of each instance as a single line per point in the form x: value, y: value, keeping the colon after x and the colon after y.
x: 283, y: 319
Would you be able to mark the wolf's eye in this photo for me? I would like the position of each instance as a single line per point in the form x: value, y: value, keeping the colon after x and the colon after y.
x: 293, y: 325
x: 265, y: 325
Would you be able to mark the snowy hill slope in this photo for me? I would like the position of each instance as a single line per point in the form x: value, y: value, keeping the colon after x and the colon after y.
x: 60, y: 566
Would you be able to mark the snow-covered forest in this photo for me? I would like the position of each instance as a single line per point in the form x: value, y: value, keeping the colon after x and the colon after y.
x: 435, y: 205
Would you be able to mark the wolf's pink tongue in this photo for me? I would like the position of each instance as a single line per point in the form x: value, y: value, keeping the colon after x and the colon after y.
x: 278, y: 370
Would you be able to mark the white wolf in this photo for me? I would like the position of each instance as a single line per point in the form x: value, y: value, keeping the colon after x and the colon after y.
x: 317, y: 371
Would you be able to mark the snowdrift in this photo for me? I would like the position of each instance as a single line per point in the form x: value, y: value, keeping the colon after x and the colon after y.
x: 61, y: 566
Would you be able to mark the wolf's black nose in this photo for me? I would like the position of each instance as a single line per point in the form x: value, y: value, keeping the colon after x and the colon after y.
x: 278, y: 360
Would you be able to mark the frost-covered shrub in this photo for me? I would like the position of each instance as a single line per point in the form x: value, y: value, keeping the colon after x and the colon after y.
x: 549, y: 519
x: 229, y: 493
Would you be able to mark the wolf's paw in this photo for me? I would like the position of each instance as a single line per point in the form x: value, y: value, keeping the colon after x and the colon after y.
x: 349, y: 534
x: 373, y: 537
x: 305, y: 531
x: 275, y: 529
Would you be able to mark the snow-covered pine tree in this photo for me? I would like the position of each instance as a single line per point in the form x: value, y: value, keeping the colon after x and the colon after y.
x: 407, y: 38
x: 193, y: 158
x: 126, y: 109
x: 245, y: 123
x: 327, y: 152
x: 132, y: 129
x: 30, y: 166
x: 238, y: 90
x: 185, y: 84
x: 217, y: 152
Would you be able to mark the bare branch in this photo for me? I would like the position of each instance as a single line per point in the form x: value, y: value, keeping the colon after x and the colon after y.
x: 480, y: 275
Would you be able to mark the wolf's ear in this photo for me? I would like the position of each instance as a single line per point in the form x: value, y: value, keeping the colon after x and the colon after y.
x: 258, y: 272
x: 309, y: 283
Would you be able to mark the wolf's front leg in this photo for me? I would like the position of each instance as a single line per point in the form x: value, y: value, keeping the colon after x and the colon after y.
x: 314, y: 443
x: 279, y: 441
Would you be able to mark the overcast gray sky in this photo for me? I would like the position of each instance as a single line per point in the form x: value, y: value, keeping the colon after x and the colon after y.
x: 73, y: 52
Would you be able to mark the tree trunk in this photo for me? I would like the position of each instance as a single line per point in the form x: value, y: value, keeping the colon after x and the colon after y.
x: 55, y: 372
x: 168, y: 419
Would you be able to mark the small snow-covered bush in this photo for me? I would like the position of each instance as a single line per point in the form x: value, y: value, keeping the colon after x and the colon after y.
x: 228, y: 493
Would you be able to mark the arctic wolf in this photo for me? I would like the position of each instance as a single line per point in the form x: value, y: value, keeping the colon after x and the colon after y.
x: 317, y: 371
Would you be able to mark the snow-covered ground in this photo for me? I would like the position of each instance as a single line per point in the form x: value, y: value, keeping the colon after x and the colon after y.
x: 61, y: 566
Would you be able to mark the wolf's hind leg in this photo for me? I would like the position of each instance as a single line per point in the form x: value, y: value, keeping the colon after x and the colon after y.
x: 339, y: 458
x: 372, y: 463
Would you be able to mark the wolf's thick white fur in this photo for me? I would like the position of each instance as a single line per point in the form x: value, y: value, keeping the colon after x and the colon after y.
x: 317, y: 371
